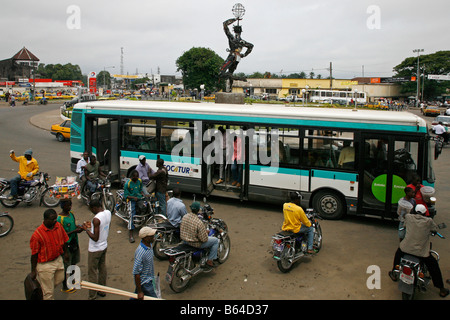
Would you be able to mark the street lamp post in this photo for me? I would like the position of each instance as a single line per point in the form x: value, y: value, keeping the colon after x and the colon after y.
x: 417, y: 75
x: 355, y: 95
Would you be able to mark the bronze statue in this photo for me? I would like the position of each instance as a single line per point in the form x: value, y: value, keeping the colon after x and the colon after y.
x: 236, y: 44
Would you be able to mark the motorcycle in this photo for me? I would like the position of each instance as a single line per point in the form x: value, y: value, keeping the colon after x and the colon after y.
x: 413, y: 274
x: 28, y: 191
x: 145, y: 211
x: 288, y: 247
x: 166, y: 236
x: 186, y: 261
x: 102, y: 193
x: 6, y: 223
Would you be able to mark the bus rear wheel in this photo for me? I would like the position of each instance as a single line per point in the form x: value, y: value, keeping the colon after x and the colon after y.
x: 329, y: 205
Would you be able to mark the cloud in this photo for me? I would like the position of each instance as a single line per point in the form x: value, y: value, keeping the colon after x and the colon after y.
x: 288, y: 35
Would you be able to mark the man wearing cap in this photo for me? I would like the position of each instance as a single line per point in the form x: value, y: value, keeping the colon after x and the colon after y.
x: 194, y: 233
x: 143, y: 268
x: 417, y: 243
x: 28, y: 167
x: 144, y: 171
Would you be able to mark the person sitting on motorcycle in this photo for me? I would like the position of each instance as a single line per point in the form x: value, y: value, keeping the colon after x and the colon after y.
x: 144, y: 171
x: 92, y: 172
x: 440, y: 130
x: 176, y: 209
x: 419, y: 228
x: 295, y: 220
x: 193, y: 232
x: 133, y: 192
x: 28, y: 167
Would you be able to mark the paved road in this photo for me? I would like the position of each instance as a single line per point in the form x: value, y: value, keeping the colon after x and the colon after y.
x: 338, y: 272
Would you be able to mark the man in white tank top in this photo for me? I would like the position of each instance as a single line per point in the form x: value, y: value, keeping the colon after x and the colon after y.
x: 98, y: 231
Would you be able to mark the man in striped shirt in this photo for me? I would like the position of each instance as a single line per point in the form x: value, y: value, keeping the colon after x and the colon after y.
x: 143, y: 269
x: 48, y: 243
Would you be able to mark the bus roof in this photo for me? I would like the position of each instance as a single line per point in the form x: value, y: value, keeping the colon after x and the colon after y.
x: 261, y: 113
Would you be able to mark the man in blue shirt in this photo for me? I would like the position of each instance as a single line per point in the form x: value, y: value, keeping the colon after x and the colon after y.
x: 176, y: 208
x: 143, y: 268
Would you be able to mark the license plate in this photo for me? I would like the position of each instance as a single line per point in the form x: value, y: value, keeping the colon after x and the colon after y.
x: 278, y: 247
x: 406, y: 278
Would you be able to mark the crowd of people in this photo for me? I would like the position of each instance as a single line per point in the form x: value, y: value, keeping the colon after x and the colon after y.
x: 55, y: 246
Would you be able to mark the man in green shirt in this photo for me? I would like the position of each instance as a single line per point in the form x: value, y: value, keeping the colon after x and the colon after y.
x: 67, y: 220
x: 133, y: 193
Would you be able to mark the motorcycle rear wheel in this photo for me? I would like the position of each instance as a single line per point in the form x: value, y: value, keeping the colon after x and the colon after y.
x: 159, y: 246
x: 178, y: 284
x: 223, y: 251
x: 284, y: 264
x: 406, y: 296
x: 49, y: 199
x: 8, y: 203
x: 6, y: 224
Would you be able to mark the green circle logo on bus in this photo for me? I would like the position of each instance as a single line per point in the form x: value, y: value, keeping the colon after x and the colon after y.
x: 379, y: 188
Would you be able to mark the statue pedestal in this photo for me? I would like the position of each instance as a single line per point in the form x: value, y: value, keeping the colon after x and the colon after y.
x: 230, y: 98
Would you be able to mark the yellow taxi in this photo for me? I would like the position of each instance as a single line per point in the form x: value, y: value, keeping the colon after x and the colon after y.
x: 61, y: 131
x: 431, y: 111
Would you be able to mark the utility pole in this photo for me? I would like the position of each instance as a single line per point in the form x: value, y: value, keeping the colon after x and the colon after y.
x: 418, y: 75
x: 121, y: 60
x: 331, y: 76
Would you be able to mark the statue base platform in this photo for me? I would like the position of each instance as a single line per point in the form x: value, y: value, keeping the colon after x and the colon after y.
x: 230, y: 98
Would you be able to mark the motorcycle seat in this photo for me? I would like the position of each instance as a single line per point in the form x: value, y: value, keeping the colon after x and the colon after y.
x: 165, y: 226
x: 185, y: 247
x: 285, y: 233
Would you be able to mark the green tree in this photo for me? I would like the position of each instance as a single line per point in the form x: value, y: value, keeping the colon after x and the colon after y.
x: 435, y: 63
x: 60, y: 72
x: 200, y: 66
x: 104, y: 77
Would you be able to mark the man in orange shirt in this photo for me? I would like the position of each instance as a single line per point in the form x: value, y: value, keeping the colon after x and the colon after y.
x: 295, y: 220
x: 48, y: 243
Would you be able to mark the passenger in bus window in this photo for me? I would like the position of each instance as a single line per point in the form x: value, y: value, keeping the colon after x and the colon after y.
x: 347, y: 156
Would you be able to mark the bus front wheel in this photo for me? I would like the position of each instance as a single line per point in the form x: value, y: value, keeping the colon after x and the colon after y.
x: 329, y: 205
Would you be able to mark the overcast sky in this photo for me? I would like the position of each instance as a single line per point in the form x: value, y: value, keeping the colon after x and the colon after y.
x: 289, y: 35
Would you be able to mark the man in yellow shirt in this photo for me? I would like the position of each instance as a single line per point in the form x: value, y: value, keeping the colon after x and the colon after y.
x: 28, y: 167
x: 295, y: 220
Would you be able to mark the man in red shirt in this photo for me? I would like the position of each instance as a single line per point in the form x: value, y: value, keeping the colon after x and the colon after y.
x: 48, y: 243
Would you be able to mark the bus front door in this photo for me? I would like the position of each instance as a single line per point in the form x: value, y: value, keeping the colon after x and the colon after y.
x: 377, y: 177
x: 389, y: 165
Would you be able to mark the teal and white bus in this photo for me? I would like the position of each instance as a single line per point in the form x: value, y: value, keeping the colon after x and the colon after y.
x: 342, y: 161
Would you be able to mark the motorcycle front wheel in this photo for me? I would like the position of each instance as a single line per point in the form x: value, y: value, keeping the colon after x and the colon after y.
x: 6, y: 224
x: 109, y: 202
x: 285, y: 263
x: 5, y: 202
x: 223, y: 251
x: 180, y: 279
x: 49, y: 198
x: 159, y: 246
x: 317, y: 238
